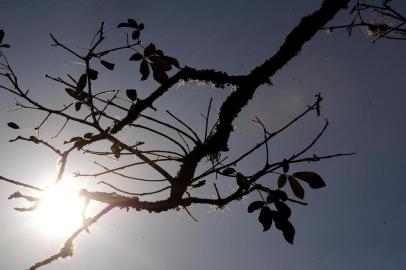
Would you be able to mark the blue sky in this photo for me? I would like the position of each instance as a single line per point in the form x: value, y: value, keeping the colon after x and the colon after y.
x: 354, y: 223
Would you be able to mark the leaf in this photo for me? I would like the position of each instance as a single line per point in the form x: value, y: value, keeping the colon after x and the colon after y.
x: 34, y: 139
x: 132, y: 23
x: 173, y: 61
x: 288, y: 231
x: 144, y: 70
x: 158, y: 74
x: 136, y: 34
x: 296, y: 187
x: 123, y: 25
x: 313, y: 179
x: 285, y: 166
x: 82, y: 82
x: 131, y: 94
x: 107, y: 65
x: 73, y: 139
x: 282, y: 179
x: 13, y: 125
x: 149, y: 50
x: 161, y: 62
x: 228, y: 171
x: 242, y: 181
x: 88, y: 135
x: 5, y: 46
x: 283, y: 210
x: 71, y: 92
x: 1, y: 35
x: 255, y: 206
x: 265, y: 218
x: 92, y: 74
x: 136, y: 57
x: 141, y: 26
x: 78, y: 105
x: 199, y: 184
x: 115, y: 148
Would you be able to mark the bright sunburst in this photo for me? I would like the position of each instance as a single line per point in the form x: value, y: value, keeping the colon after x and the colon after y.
x: 60, y: 210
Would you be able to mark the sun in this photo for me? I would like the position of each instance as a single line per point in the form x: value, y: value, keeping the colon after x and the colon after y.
x: 60, y: 209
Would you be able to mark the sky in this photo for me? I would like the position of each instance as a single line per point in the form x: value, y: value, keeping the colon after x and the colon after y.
x: 354, y: 223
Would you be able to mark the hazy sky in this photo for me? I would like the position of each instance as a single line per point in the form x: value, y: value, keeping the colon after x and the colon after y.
x: 354, y: 223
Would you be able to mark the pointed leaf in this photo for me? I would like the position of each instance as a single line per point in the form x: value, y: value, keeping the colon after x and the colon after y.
x: 78, y: 105
x: 296, y: 187
x: 255, y: 206
x: 1, y: 35
x: 5, y: 45
x: 92, y: 74
x: 161, y: 62
x: 141, y: 26
x: 82, y: 82
x: 131, y: 94
x: 173, y: 61
x: 158, y: 74
x: 107, y: 65
x: 242, y: 181
x: 228, y: 171
x: 313, y: 179
x: 123, y: 25
x: 265, y: 218
x: 13, y: 125
x: 136, y: 34
x: 285, y: 166
x: 149, y: 50
x: 136, y: 57
x: 88, y: 135
x: 283, y: 209
x: 288, y: 231
x: 144, y: 70
x: 132, y: 23
x: 282, y: 180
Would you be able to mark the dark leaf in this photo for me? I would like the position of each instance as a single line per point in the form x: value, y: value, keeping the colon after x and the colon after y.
x: 1, y: 35
x: 161, y: 62
x: 71, y: 92
x: 228, y: 171
x: 88, y: 135
x: 144, y: 69
x: 82, y: 82
x: 34, y: 139
x: 283, y: 209
x: 73, y: 139
x: 271, y: 197
x: 158, y: 74
x: 285, y: 166
x: 149, y: 50
x: 115, y: 148
x: 123, y: 25
x: 282, y: 180
x: 131, y: 94
x: 92, y: 74
x: 288, y: 231
x: 13, y: 125
x: 136, y: 34
x: 173, y: 61
x: 78, y: 105
x: 107, y: 65
x: 132, y: 23
x: 5, y: 46
x: 296, y: 187
x: 242, y: 181
x: 136, y: 57
x: 265, y: 218
x: 199, y: 184
x: 255, y: 206
x: 313, y: 179
x: 141, y: 26
x: 281, y: 195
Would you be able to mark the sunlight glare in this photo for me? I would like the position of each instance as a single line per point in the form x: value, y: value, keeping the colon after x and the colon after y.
x: 60, y: 211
